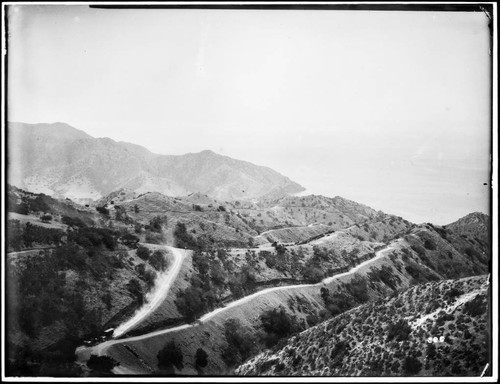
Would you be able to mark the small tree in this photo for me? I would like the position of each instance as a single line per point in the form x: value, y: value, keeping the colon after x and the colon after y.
x: 201, y: 358
x: 170, y: 356
x: 143, y: 252
x: 130, y: 240
x: 411, y: 365
x: 277, y: 324
x: 158, y: 260
x: 46, y: 218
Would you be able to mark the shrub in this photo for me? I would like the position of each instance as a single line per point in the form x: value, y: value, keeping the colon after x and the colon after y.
x: 190, y: 302
x: 93, y: 237
x: 472, y: 253
x: 411, y: 365
x: 149, y: 277
x: 143, y: 252
x: 134, y: 287
x: 38, y: 204
x: 277, y: 323
x: 475, y: 307
x: 452, y: 293
x: 398, y: 331
x: 101, y: 363
x: 73, y: 221
x: 22, y: 208
x: 170, y: 356
x: 130, y: 240
x: 418, y: 249
x: 155, y: 237
x: 358, y: 289
x: 184, y: 239
x: 37, y: 234
x: 312, y: 320
x: 102, y: 210
x: 429, y: 244
x: 46, y: 218
x: 158, y: 260
x: 338, y: 352
x: 241, y: 343
x: 201, y: 358
x: 156, y: 223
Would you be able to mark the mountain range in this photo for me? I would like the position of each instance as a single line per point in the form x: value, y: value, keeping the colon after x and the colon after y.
x: 63, y: 161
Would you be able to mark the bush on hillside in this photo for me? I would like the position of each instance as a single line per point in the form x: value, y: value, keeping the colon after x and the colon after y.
x: 94, y: 237
x: 201, y: 358
x: 143, y: 252
x: 337, y: 302
x: 419, y: 250
x: 158, y: 260
x: 190, y: 302
x: 46, y: 218
x: 73, y: 221
x: 475, y: 307
x: 170, y: 356
x: 411, y: 365
x: 135, y: 288
x: 183, y: 239
x: 398, y: 331
x: 277, y: 324
x: 156, y: 223
x: 34, y: 234
x: 241, y: 344
x: 130, y: 240
x: 429, y: 244
x: 102, y: 210
x: 357, y: 287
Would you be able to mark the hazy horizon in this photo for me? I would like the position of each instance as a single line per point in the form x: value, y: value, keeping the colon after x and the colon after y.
x: 389, y: 109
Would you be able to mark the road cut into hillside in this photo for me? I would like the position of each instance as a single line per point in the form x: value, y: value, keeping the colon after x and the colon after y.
x: 127, y: 350
x: 159, y: 292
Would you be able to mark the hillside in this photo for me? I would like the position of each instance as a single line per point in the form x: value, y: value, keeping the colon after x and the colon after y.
x: 60, y: 160
x: 236, y: 287
x: 422, y: 255
x: 475, y: 225
x: 390, y: 337
x: 69, y: 276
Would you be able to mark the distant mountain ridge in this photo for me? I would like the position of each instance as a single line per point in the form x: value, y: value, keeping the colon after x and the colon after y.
x: 60, y: 160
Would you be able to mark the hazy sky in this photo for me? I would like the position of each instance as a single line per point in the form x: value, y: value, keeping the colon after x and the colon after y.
x: 390, y: 109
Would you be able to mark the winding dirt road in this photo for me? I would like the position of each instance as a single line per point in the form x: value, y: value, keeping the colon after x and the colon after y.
x: 155, y: 297
x: 100, y: 349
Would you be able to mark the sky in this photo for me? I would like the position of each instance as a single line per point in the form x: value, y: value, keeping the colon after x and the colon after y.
x: 390, y: 109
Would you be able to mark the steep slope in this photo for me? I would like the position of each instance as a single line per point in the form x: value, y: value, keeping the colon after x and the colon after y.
x: 475, y: 225
x: 390, y: 337
x: 61, y: 160
x: 422, y: 255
